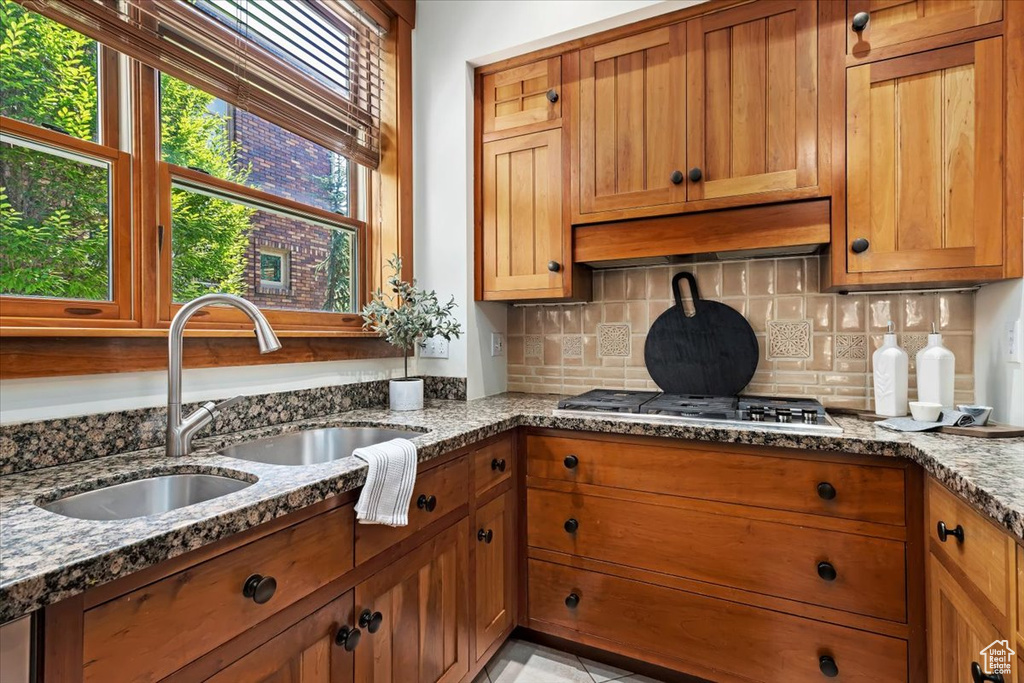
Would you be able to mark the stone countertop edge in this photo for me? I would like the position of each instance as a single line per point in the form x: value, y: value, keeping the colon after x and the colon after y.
x: 45, y: 558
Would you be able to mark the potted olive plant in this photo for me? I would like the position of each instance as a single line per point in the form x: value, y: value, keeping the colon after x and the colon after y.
x: 406, y: 318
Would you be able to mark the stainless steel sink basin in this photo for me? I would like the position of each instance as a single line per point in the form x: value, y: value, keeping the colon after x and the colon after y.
x: 315, y: 445
x: 144, y: 497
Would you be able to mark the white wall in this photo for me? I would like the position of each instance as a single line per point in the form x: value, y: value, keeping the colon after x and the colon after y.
x: 998, y: 382
x: 451, y: 37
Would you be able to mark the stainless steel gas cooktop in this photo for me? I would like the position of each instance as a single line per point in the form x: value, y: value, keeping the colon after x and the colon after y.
x: 769, y: 413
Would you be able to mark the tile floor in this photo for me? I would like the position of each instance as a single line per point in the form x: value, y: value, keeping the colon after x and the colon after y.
x: 521, y: 662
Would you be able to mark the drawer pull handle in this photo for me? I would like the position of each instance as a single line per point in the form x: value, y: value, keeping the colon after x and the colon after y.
x: 827, y: 571
x: 259, y: 588
x: 425, y: 502
x: 826, y: 491
x: 828, y: 666
x: 694, y: 174
x: 498, y: 465
x: 676, y: 177
x: 485, y: 536
x: 570, y: 462
x: 945, y: 532
x: 572, y: 600
x: 980, y: 676
x: 860, y: 21
x: 348, y: 638
x: 571, y: 525
x: 371, y: 621
x: 552, y: 96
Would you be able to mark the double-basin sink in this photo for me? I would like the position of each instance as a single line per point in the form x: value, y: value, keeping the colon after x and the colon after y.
x: 153, y: 495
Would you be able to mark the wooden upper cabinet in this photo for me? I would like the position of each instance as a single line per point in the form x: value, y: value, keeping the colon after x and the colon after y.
x: 632, y: 121
x: 893, y: 22
x: 525, y: 242
x: 925, y: 161
x: 522, y: 96
x: 752, y: 100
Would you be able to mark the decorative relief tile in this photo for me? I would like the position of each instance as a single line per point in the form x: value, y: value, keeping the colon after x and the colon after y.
x: 533, y: 346
x: 912, y: 343
x: 572, y: 346
x: 789, y: 339
x: 851, y: 347
x: 612, y: 340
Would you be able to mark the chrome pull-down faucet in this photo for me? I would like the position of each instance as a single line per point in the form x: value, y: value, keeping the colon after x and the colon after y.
x: 180, y: 430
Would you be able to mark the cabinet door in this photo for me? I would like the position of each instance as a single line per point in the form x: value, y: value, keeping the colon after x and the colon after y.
x: 304, y: 653
x: 752, y: 99
x: 632, y: 116
x: 422, y: 601
x: 957, y: 629
x: 494, y: 566
x: 524, y: 95
x: 524, y: 235
x: 924, y: 160
x: 891, y: 22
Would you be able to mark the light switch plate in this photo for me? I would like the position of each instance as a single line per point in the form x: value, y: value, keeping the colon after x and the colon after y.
x: 434, y: 347
x: 1012, y: 339
x: 497, y: 344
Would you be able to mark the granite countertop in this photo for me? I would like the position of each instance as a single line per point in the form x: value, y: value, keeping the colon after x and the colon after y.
x: 46, y: 557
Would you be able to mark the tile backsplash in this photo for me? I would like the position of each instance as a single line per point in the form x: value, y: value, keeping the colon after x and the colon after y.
x: 811, y: 344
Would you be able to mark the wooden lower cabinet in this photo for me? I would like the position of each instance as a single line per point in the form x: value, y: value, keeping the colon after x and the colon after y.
x: 421, y: 606
x: 494, y: 571
x: 305, y: 653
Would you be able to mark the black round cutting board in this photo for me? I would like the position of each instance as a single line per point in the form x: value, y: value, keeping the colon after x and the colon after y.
x: 713, y: 352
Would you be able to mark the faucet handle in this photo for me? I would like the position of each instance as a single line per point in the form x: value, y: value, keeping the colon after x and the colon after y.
x: 216, y: 409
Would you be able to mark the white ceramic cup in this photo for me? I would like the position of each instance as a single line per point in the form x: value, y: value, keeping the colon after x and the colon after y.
x: 925, y: 412
x: 979, y: 413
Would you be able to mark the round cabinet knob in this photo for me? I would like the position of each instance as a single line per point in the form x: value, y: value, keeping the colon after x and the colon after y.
x: 860, y: 21
x: 485, y: 536
x: 676, y: 177
x: 945, y: 532
x: 498, y: 465
x: 259, y: 588
x: 571, y: 525
x: 371, y: 621
x: 695, y: 174
x: 859, y: 245
x: 826, y: 491
x: 979, y: 675
x: 828, y: 666
x: 348, y: 638
x: 570, y: 462
x: 554, y: 266
x: 572, y: 600
x: 827, y: 571
x: 425, y: 502
x: 552, y: 96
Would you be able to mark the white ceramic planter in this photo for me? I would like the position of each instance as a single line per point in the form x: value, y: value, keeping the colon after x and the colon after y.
x: 406, y: 394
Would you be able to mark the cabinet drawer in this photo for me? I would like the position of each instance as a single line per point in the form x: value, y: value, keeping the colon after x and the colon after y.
x: 761, y: 556
x: 837, y: 489
x: 448, y: 484
x: 986, y: 554
x: 894, y: 22
x: 522, y: 95
x: 154, y: 630
x: 493, y: 465
x: 732, y: 640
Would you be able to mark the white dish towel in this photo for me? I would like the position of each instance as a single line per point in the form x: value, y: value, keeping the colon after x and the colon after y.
x: 388, y: 490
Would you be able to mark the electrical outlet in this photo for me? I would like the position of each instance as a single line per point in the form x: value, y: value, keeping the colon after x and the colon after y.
x: 1012, y: 338
x: 434, y: 347
x: 497, y: 344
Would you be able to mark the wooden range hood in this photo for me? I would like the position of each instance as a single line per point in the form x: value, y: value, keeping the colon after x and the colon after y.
x: 767, y: 230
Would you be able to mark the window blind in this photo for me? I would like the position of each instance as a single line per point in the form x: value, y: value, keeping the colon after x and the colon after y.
x: 310, y: 66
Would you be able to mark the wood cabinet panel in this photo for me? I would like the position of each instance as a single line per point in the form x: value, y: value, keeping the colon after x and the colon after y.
x: 632, y: 121
x: 448, y: 484
x: 924, y: 160
x: 522, y: 96
x: 304, y: 653
x: 150, y: 632
x: 423, y: 599
x: 752, y: 99
x: 869, y: 573
x: 893, y: 22
x: 862, y: 492
x: 493, y: 465
x: 522, y: 227
x: 722, y: 639
x: 494, y: 571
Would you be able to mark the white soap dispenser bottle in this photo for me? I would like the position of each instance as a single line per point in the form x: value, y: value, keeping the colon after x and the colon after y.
x: 891, y: 374
x: 935, y: 368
